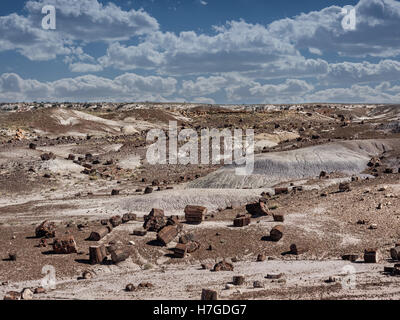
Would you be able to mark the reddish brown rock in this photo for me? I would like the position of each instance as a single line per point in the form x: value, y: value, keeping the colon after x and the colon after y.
x: 115, y: 221
x: 298, y: 249
x: 155, y: 220
x: 119, y: 255
x: 98, y: 234
x: 207, y: 294
x: 241, y: 221
x: 46, y: 229
x: 180, y: 250
x: 279, y: 217
x: 276, y: 233
x: 223, y: 266
x: 279, y: 191
x: 97, y: 254
x: 372, y: 256
x: 128, y: 217
x: 258, y: 209
x: 12, y: 295
x: 167, y: 234
x: 65, y: 246
x: 195, y: 214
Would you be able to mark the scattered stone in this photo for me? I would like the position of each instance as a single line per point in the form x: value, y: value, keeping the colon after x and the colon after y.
x: 223, y: 266
x: 395, y: 253
x: 139, y: 232
x: 373, y: 226
x: 99, y: 234
x: 344, y: 187
x: 261, y: 257
x: 12, y: 295
x: 241, y: 221
x: 115, y: 221
x: 207, y: 294
x: 130, y: 287
x: 330, y: 280
x: 97, y: 254
x: 229, y: 286
x: 296, y: 249
x: 258, y: 209
x: 192, y: 246
x: 173, y: 221
x: 279, y: 217
x: 143, y: 285
x: 194, y: 214
x: 27, y: 294
x: 206, y: 266
x: 115, y: 192
x: 187, y: 237
x: 47, y: 156
x: 65, y: 246
x: 119, y: 255
x: 32, y: 146
x: 148, y: 190
x: 155, y: 220
x: 87, y: 275
x: 46, y: 229
x: 167, y: 234
x: 12, y: 256
x: 276, y: 233
x: 40, y: 290
x: 279, y: 191
x: 180, y: 250
x: 350, y: 257
x: 258, y: 284
x: 372, y: 256
x: 238, y: 280
x: 274, y: 276
x: 128, y: 217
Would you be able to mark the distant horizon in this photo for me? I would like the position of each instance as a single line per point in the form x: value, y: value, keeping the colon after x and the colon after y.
x: 197, y: 103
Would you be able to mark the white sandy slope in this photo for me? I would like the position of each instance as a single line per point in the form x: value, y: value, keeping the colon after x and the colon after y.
x: 347, y: 157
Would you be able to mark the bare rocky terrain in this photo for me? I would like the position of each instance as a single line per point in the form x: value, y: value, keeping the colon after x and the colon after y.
x: 331, y: 171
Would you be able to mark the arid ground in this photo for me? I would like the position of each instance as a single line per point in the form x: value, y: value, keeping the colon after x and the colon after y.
x: 61, y: 163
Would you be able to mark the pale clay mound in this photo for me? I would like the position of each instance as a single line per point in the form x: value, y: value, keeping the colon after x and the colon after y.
x: 348, y: 157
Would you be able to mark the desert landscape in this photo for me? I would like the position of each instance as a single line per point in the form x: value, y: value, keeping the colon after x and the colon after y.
x: 83, y: 215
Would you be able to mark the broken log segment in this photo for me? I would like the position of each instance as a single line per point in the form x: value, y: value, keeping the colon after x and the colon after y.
x: 46, y: 229
x: 207, y: 294
x: 119, y: 255
x: 258, y: 209
x: 167, y: 234
x: 180, y: 250
x: 395, y: 253
x: 350, y: 257
x: 155, y: 220
x: 99, y: 234
x: 97, y: 254
x: 238, y: 280
x: 128, y: 217
x: 115, y: 221
x: 241, y: 221
x: 281, y: 191
x: 223, y: 266
x: 372, y: 256
x: 278, y: 217
x: 65, y: 246
x: 194, y: 214
x: 276, y: 233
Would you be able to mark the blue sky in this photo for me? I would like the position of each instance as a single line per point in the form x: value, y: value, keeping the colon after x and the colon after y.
x: 206, y: 51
